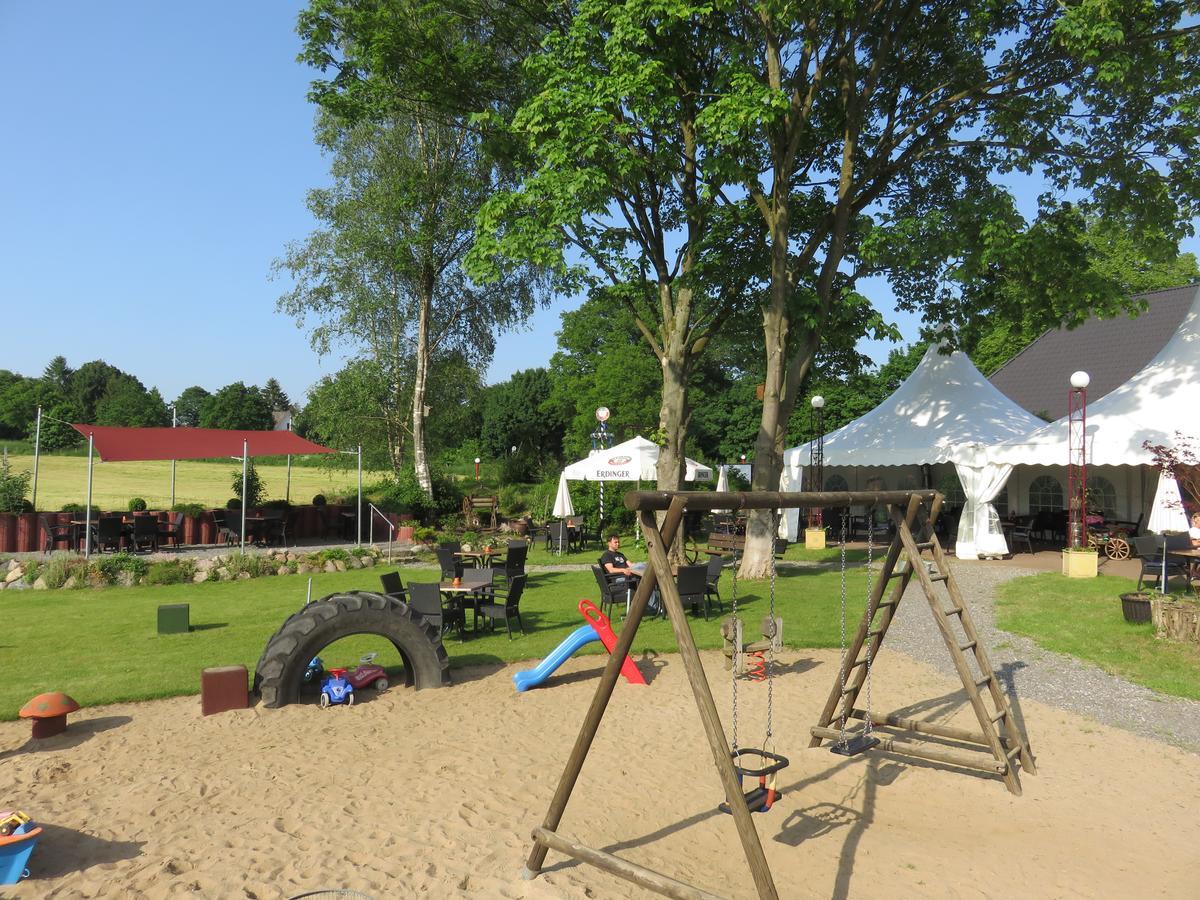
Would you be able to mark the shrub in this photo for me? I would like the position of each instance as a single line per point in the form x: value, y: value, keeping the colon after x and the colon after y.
x: 422, y: 534
x: 403, y: 495
x: 333, y: 553
x: 111, y: 567
x: 256, y: 491
x: 252, y: 564
x: 318, y: 500
x: 470, y: 537
x: 74, y: 508
x: 13, y: 488
x: 137, y: 504
x: 171, y: 571
x: 189, y: 509
x: 233, y: 503
x: 62, y: 566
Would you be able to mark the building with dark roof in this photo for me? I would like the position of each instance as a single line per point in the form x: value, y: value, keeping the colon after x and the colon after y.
x: 1109, y: 350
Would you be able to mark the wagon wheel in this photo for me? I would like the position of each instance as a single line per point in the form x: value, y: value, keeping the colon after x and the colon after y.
x: 1117, y: 548
x: 1093, y: 541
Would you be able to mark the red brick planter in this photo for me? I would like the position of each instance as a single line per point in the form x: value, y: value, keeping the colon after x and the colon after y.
x: 191, y: 530
x: 27, y: 533
x: 208, y: 529
x: 8, y: 533
x: 404, y: 534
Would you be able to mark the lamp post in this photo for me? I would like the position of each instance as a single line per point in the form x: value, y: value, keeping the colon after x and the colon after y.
x: 477, y: 468
x: 174, y: 424
x: 600, y: 442
x: 816, y: 458
x: 1077, y: 461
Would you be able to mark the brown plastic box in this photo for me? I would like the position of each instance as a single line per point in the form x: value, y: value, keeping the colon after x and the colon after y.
x: 223, y: 688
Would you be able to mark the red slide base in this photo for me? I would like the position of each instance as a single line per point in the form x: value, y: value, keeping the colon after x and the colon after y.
x: 600, y: 624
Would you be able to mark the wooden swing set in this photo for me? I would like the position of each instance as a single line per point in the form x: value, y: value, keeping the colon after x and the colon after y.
x: 913, y: 513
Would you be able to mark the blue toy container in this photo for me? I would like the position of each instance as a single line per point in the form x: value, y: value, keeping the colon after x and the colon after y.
x: 15, y: 851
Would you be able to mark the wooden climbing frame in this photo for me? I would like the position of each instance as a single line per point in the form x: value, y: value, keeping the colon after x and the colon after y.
x: 921, y: 507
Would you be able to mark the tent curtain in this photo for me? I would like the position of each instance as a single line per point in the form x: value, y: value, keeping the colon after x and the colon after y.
x: 789, y: 521
x: 979, y: 531
x: 1167, y: 514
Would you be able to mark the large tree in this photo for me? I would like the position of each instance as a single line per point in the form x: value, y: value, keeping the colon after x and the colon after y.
x: 237, y: 407
x: 385, y: 273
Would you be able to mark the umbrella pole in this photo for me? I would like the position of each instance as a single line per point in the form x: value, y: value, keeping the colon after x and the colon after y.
x: 245, y: 456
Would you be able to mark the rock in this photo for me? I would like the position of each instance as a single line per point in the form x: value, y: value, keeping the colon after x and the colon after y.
x: 13, y: 564
x: 203, y: 565
x: 354, y: 563
x: 40, y: 584
x: 125, y: 578
x: 304, y: 568
x: 70, y: 583
x: 200, y: 577
x: 339, y: 565
x: 14, y: 575
x: 243, y: 576
x: 330, y: 566
x: 367, y: 561
x: 222, y: 573
x: 283, y: 570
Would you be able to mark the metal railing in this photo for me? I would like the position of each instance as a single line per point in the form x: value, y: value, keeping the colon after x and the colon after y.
x: 376, y: 511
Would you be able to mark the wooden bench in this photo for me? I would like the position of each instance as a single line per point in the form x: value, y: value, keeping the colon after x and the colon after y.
x: 720, y: 543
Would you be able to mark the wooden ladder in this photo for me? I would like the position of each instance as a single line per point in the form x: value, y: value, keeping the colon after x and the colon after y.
x: 1005, y: 743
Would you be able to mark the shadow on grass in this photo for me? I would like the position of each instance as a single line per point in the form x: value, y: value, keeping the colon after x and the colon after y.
x: 209, y: 626
x: 77, y: 733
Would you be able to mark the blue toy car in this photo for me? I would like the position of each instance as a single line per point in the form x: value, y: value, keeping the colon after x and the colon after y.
x: 316, y: 669
x: 336, y: 689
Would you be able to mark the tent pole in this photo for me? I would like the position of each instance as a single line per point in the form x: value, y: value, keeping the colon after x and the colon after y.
x: 358, y: 515
x: 287, y: 491
x: 37, y: 446
x: 87, y: 519
x: 174, y: 423
x: 245, y: 457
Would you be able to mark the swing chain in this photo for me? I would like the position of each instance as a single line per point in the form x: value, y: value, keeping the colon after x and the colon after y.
x: 736, y: 649
x: 771, y: 650
x: 870, y: 578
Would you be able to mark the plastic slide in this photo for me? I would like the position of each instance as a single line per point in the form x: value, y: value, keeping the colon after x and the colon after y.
x: 597, y: 628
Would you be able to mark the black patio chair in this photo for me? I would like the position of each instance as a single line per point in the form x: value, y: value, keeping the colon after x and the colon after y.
x: 393, y: 587
x: 426, y: 600
x: 1018, y: 535
x: 145, y: 533
x: 110, y: 532
x: 274, y: 526
x: 691, y: 582
x: 452, y: 566
x: 558, y: 537
x: 171, y: 530
x: 507, y: 606
x: 712, y: 578
x: 613, y: 591
x: 1150, y: 550
x: 511, y: 564
x: 233, y: 527
x: 452, y: 546
x: 222, y: 523
x: 56, y: 534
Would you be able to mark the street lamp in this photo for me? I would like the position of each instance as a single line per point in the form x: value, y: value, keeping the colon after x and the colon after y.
x: 816, y: 458
x: 477, y: 468
x: 600, y: 441
x: 1077, y: 461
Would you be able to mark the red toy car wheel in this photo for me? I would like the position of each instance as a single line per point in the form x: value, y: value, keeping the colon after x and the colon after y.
x: 381, y: 684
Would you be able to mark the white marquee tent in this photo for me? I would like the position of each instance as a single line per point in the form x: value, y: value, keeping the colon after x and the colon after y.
x: 945, y: 411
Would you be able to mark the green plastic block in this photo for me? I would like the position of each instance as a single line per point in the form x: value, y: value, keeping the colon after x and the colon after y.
x: 173, y: 618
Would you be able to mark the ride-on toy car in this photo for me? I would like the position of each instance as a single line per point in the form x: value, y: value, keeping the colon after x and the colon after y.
x: 336, y: 689
x: 367, y: 674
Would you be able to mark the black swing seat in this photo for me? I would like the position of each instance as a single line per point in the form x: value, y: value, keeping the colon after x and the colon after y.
x: 761, y: 798
x: 860, y: 743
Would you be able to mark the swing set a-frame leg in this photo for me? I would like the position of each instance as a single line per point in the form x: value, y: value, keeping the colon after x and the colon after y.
x: 658, y: 574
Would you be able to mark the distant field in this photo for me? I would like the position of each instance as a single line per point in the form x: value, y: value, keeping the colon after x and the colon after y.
x: 63, y: 479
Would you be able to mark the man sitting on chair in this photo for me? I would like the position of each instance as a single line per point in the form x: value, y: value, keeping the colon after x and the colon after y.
x: 619, y: 572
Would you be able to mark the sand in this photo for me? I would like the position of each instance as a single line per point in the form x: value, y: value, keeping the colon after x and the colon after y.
x: 434, y: 794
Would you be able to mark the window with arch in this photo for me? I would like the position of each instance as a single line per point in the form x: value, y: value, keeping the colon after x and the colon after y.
x: 1101, y: 496
x: 1045, y: 492
x: 836, y: 483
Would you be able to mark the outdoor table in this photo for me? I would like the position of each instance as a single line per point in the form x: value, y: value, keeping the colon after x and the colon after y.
x: 1191, y: 558
x: 478, y: 558
x: 463, y: 595
x: 256, y: 528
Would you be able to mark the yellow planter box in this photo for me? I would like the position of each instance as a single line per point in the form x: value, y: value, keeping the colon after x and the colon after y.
x: 814, y: 538
x: 1079, y: 563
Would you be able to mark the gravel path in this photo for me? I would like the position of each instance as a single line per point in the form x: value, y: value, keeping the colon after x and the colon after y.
x: 1032, y: 672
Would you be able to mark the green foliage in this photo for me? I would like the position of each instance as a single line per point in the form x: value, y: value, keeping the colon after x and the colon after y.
x: 236, y: 407
x: 13, y: 488
x: 188, y: 406
x: 256, y: 491
x: 252, y: 564
x: 423, y: 533
x: 75, y: 508
x: 402, y: 495
x: 520, y: 423
x: 110, y: 567
x: 333, y: 554
x: 190, y: 509
x: 233, y: 503
x: 171, y: 571
x: 318, y: 500
x: 126, y: 402
x: 137, y: 504
x: 274, y: 394
x: 63, y: 566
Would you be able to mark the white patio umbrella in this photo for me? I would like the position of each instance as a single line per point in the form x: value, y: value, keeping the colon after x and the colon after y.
x: 722, y: 485
x: 1167, y: 512
x: 563, y: 506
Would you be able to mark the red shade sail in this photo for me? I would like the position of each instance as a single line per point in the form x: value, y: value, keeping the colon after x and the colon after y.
x: 124, y: 444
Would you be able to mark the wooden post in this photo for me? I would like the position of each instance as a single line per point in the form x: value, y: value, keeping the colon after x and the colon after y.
x: 656, y: 547
x: 604, y: 689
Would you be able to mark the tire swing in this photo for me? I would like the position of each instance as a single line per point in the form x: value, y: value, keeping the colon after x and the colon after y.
x: 863, y: 741
x: 763, y: 764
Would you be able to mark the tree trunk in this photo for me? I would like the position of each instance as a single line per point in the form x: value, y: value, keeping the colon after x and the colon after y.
x: 420, y: 460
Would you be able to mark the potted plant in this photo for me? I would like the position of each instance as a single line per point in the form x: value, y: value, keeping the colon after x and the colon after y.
x: 1136, y: 606
x: 1079, y: 562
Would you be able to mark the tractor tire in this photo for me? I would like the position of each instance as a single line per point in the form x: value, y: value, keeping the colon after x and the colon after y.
x: 280, y: 671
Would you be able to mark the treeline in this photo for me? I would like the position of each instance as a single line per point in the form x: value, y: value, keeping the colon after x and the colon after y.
x: 101, y: 394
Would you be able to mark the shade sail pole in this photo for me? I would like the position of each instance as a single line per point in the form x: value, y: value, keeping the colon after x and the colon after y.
x: 287, y: 490
x: 174, y: 424
x: 37, y: 446
x: 87, y: 518
x: 358, y: 515
x: 245, y: 457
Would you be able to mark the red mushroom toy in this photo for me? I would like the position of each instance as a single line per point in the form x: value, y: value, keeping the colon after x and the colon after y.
x: 49, y: 713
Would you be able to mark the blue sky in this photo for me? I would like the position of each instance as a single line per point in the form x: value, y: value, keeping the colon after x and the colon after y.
x: 155, y: 163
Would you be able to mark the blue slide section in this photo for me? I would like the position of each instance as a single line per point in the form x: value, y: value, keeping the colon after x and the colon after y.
x: 530, y: 678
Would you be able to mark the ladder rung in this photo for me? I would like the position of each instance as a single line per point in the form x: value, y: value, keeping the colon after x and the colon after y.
x: 956, y: 611
x: 861, y: 662
x: 969, y: 645
x: 883, y: 603
x: 875, y: 633
x: 849, y: 689
x: 897, y: 573
x: 998, y: 716
x: 925, y: 545
x: 940, y: 576
x: 980, y: 682
x: 1015, y: 751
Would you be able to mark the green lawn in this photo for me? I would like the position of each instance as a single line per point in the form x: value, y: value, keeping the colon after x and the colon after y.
x: 63, y: 479
x: 101, y: 646
x: 1082, y: 618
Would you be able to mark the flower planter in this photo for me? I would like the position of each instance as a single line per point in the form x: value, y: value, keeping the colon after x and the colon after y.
x: 404, y: 534
x: 208, y: 529
x: 1079, y: 563
x: 1135, y: 607
x: 814, y: 538
x: 1176, y: 621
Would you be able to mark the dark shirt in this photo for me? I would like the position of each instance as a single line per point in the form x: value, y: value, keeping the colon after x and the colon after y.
x: 615, y: 558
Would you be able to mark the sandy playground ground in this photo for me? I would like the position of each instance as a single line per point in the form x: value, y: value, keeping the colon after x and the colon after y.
x: 434, y: 794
